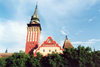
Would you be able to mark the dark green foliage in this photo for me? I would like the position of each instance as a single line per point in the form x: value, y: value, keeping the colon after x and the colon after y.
x: 79, y: 57
x: 53, y: 60
x: 2, y: 62
x: 96, y: 58
x: 34, y: 61
x: 71, y: 57
x: 17, y: 60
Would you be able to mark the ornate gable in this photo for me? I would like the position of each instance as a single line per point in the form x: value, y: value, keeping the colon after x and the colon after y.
x: 48, y: 46
x: 49, y: 42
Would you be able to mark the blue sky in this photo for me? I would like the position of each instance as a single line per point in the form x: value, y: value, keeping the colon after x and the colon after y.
x: 79, y: 19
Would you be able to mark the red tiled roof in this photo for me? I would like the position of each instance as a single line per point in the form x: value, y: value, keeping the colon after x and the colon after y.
x: 0, y: 56
x: 6, y: 54
x: 67, y: 44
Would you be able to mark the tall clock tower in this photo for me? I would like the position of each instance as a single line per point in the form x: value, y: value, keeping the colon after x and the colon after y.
x: 33, y: 33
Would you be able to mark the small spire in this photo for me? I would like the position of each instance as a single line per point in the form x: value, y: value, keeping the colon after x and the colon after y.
x: 6, y: 51
x: 67, y: 43
x: 66, y: 37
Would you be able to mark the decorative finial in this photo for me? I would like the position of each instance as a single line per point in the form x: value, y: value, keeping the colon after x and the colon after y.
x: 36, y: 5
x: 66, y: 36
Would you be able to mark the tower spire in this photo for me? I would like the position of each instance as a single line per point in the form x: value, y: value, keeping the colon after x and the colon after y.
x: 35, y: 17
x: 67, y: 43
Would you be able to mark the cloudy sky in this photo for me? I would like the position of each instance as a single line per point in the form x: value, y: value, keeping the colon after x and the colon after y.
x: 79, y: 19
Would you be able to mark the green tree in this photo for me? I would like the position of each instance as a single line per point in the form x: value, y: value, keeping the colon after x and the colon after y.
x: 96, y: 58
x: 21, y: 51
x: 79, y: 57
x: 17, y: 60
x: 71, y: 57
x: 34, y: 61
x: 52, y: 60
x: 2, y: 62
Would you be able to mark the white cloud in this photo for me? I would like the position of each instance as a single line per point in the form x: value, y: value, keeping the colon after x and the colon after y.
x: 89, y: 42
x: 61, y: 42
x: 90, y: 20
x: 82, y: 43
x: 2, y: 48
x: 12, y: 35
x: 63, y: 32
x: 93, y: 43
x: 94, y: 40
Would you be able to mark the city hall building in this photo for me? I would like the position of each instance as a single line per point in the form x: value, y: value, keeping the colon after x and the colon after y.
x: 33, y: 39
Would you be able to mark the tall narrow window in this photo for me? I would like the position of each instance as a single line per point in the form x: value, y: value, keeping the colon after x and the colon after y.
x: 49, y: 50
x: 43, y: 50
x: 55, y: 50
x: 33, y: 36
x: 36, y: 36
x: 28, y: 36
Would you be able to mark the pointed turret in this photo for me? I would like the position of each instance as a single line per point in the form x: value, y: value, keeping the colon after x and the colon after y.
x: 67, y: 43
x: 35, y: 17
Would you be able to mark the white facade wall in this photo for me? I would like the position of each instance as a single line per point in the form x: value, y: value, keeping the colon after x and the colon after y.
x: 48, y: 50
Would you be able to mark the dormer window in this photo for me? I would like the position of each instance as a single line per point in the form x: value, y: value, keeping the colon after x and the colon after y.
x: 49, y: 40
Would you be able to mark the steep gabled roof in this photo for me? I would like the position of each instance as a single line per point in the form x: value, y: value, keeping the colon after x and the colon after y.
x: 49, y: 42
x: 67, y: 43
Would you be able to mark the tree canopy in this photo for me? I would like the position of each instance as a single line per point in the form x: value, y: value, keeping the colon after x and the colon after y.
x: 71, y: 57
